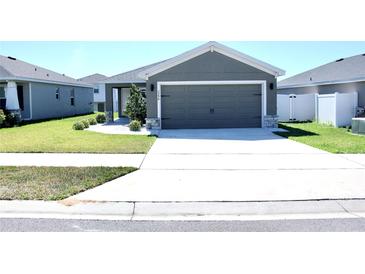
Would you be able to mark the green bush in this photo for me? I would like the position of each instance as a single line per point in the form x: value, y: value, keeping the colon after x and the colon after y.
x: 78, y: 126
x: 92, y: 121
x: 135, y: 125
x: 11, y: 119
x: 136, y: 105
x: 86, y: 123
x: 100, y: 118
x: 2, y: 117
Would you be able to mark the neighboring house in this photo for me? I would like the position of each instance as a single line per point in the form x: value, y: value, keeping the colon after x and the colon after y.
x: 99, y: 91
x: 344, y: 75
x: 335, y: 83
x: 35, y: 93
x: 211, y: 86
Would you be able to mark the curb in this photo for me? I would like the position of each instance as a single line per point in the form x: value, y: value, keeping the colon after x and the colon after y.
x: 184, y: 210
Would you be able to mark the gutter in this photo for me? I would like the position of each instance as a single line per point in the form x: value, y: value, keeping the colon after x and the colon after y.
x: 44, y: 81
x: 355, y: 80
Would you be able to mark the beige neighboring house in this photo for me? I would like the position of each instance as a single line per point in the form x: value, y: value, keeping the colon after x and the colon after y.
x: 99, y: 92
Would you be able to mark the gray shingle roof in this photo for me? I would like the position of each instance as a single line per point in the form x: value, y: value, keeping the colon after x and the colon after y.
x: 93, y: 78
x: 349, y: 69
x: 16, y: 69
x: 131, y: 76
x: 139, y: 74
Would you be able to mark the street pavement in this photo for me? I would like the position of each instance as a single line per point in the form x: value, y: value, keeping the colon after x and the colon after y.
x: 61, y: 225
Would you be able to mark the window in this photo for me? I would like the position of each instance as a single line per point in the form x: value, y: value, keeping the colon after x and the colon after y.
x: 72, y: 97
x: 58, y: 94
x: 2, y: 92
x: 96, y: 90
x: 2, y: 97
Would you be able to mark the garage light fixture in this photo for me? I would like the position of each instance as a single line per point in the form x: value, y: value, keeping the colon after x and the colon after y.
x: 271, y: 85
x: 152, y: 87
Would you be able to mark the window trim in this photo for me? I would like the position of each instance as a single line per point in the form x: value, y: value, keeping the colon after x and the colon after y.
x: 72, y: 97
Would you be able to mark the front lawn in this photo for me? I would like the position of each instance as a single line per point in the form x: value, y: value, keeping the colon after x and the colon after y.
x: 328, y: 138
x: 53, y: 183
x: 58, y: 136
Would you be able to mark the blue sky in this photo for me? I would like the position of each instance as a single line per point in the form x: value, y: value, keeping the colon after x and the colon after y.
x: 78, y: 59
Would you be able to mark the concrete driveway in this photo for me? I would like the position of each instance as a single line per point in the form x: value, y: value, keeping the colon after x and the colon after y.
x: 234, y: 165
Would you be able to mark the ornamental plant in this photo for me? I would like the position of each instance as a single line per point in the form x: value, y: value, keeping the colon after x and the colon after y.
x: 136, y: 105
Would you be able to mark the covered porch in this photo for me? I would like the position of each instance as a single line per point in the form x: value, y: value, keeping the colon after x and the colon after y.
x: 123, y: 91
x: 16, y: 98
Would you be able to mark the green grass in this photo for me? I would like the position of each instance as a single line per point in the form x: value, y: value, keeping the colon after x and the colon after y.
x: 53, y: 183
x: 58, y: 136
x: 328, y: 138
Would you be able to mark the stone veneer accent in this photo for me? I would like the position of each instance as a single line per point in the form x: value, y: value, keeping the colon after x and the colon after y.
x: 271, y: 121
x: 109, y: 116
x: 152, y: 123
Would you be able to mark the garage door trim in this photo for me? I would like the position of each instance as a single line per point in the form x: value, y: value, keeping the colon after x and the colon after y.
x: 197, y: 83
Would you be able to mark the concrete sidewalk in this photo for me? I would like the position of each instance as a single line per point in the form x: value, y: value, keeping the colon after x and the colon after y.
x: 71, y: 159
x: 185, y: 211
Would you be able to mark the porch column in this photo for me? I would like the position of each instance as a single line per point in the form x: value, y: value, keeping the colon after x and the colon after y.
x: 12, y: 102
x: 120, y: 109
x: 109, y: 111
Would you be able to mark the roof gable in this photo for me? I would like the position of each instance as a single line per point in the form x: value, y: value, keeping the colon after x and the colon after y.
x: 213, y: 47
x: 93, y: 78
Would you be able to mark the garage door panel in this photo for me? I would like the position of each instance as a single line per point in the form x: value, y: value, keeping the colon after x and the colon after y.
x: 211, y: 106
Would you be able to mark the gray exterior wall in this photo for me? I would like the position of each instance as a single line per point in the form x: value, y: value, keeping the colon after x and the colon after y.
x: 327, y: 89
x: 45, y: 105
x: 209, y: 67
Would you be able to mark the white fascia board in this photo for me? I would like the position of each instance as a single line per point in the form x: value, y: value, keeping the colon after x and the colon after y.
x: 324, y: 83
x: 212, y: 46
x: 244, y: 58
x: 44, y: 81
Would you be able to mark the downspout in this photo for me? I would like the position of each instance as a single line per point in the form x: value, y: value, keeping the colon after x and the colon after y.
x: 30, y: 102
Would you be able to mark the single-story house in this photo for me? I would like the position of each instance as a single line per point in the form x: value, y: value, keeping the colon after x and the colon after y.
x: 340, y: 85
x: 344, y: 75
x: 211, y: 86
x: 99, y: 91
x: 35, y: 93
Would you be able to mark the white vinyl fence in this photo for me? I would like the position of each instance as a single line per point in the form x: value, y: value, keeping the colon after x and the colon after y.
x: 296, y: 107
x: 336, y: 109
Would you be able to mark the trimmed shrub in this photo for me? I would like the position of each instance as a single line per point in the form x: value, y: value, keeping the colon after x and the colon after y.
x: 86, y: 123
x: 78, y: 126
x: 135, y: 125
x: 92, y: 121
x: 2, y: 117
x: 11, y: 119
x: 100, y: 118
